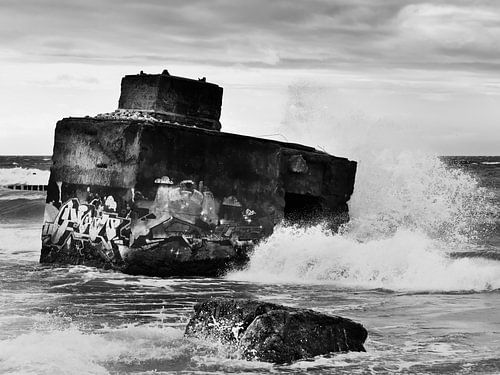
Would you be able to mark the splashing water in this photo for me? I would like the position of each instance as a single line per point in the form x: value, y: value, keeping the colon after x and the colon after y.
x: 71, y: 350
x: 407, y: 260
x: 408, y: 211
x: 416, y: 192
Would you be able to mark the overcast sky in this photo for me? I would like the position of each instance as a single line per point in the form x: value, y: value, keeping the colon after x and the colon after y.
x: 414, y: 74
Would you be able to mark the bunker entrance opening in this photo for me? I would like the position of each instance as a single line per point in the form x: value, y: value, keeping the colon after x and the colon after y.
x: 302, y: 209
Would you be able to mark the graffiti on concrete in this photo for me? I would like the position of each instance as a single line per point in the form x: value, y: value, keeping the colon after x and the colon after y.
x: 185, y: 201
x: 85, y: 222
x: 186, y: 210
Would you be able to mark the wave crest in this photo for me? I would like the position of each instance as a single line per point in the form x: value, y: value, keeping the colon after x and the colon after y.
x: 18, y: 175
x: 418, y: 192
x: 407, y: 260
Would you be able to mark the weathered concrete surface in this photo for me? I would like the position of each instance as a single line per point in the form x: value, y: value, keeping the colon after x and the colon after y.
x: 161, y: 199
x: 176, y: 256
x: 274, y: 333
x: 147, y: 189
x: 176, y: 99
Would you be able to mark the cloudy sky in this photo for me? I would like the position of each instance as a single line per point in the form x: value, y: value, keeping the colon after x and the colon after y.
x: 323, y: 72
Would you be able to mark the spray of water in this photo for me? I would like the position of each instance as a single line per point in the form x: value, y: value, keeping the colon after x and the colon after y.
x: 408, y: 260
x: 408, y: 211
x: 413, y: 191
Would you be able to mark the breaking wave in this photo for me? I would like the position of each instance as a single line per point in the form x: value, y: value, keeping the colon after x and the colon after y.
x: 407, y: 215
x: 18, y: 175
x: 405, y: 261
x: 21, y: 206
x: 413, y: 191
x: 70, y: 350
x: 409, y: 210
x: 56, y: 348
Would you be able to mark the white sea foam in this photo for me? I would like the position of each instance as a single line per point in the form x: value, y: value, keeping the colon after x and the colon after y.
x: 67, y: 349
x: 411, y: 190
x: 407, y: 260
x: 17, y: 175
x: 72, y: 351
x: 407, y: 212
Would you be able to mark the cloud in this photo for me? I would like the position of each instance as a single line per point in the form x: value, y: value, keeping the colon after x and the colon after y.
x: 66, y: 81
x: 461, y: 34
x: 425, y: 64
x: 278, y: 34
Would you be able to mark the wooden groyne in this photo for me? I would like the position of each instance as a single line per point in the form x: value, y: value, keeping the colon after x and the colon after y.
x: 26, y: 187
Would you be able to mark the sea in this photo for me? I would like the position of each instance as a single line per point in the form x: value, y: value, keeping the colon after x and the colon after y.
x: 418, y: 265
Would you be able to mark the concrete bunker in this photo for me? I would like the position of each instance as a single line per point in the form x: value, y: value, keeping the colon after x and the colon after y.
x: 156, y: 188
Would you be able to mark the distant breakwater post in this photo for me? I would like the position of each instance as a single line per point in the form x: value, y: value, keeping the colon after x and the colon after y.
x: 155, y: 188
x: 29, y: 187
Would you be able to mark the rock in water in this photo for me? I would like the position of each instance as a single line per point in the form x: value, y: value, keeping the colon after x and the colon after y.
x: 273, y: 333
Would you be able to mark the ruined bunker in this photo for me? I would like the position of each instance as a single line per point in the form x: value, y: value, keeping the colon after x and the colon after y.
x: 156, y: 188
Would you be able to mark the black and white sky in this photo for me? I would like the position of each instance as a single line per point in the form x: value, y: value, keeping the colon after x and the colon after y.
x: 424, y: 74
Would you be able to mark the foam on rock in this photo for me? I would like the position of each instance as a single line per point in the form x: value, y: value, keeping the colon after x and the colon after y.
x: 273, y: 333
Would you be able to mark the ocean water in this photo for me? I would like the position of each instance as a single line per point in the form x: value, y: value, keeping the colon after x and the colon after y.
x: 418, y: 265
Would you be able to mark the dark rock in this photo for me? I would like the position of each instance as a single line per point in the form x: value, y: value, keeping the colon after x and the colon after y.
x: 274, y: 333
